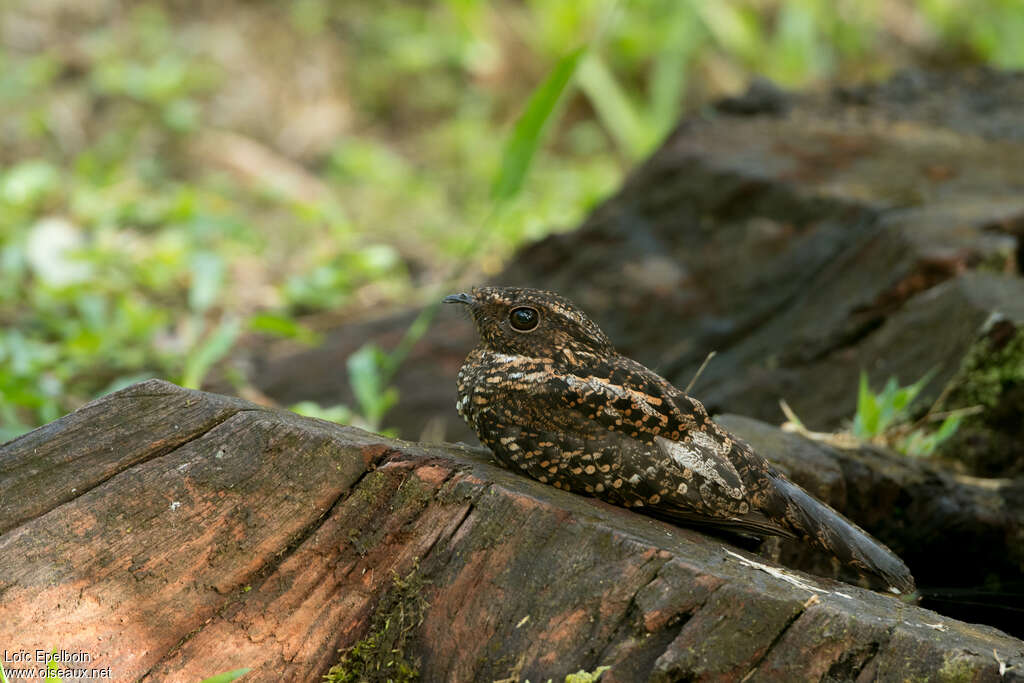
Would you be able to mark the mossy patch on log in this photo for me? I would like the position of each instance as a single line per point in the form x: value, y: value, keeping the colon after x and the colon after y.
x: 380, y: 656
x: 991, y: 376
x: 957, y: 668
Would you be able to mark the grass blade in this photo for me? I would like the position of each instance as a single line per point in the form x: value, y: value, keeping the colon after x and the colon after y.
x: 227, y: 676
x: 529, y: 129
x: 209, y: 351
x: 865, y: 422
x: 614, y: 107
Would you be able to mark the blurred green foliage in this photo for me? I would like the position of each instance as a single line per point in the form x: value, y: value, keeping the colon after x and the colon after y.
x: 173, y: 182
x: 877, y: 413
x: 885, y: 418
x: 370, y: 369
x: 889, y: 418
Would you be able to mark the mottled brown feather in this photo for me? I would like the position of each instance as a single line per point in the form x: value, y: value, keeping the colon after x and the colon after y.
x: 559, y: 404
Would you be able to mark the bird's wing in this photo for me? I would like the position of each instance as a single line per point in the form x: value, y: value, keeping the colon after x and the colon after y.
x: 661, y: 433
x: 662, y: 447
x: 687, y: 447
x: 628, y: 398
x: 664, y: 442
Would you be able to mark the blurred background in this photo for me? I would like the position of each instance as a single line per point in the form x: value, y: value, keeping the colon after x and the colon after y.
x: 178, y: 178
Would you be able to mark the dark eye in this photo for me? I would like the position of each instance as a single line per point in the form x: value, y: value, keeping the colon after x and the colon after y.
x: 523, y: 318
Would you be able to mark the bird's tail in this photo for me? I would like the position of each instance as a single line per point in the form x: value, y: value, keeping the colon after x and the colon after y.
x: 822, y: 526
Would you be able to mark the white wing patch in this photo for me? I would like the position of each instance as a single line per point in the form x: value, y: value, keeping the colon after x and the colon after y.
x: 706, y: 441
x: 689, y: 457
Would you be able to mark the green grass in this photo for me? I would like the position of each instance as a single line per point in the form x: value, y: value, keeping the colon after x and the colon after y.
x: 885, y: 417
x: 227, y: 676
x: 174, y: 183
x: 878, y: 413
x: 890, y: 418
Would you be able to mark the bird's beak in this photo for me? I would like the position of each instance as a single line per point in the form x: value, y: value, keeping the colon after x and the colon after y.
x: 460, y: 298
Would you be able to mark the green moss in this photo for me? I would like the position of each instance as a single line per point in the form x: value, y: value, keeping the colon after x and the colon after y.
x: 410, y: 497
x: 412, y: 494
x: 956, y: 668
x: 358, y: 543
x: 582, y: 676
x: 992, y: 377
x: 380, y: 656
x: 992, y: 365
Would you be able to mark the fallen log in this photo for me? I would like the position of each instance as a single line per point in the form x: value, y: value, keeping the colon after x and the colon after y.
x: 207, y: 534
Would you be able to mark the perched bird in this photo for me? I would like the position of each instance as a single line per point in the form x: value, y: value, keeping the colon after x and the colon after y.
x: 549, y: 395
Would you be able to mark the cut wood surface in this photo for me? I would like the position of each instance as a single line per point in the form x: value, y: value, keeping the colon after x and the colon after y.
x: 188, y: 534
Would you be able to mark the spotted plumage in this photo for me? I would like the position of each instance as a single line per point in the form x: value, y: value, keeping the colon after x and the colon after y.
x: 549, y: 395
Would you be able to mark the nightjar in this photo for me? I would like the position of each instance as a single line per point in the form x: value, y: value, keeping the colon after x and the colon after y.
x: 549, y: 395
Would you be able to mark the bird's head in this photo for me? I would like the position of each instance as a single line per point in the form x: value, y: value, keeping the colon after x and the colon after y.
x: 532, y: 322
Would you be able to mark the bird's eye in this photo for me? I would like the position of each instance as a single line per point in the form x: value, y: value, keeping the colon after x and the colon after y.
x: 523, y: 318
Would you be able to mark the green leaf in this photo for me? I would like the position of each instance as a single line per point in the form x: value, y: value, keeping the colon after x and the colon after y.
x: 738, y: 29
x: 209, y: 351
x: 28, y: 182
x: 181, y: 115
x: 620, y: 117
x: 284, y: 326
x: 52, y: 667
x: 947, y: 428
x: 226, y: 677
x: 368, y: 369
x: 913, y: 443
x: 865, y: 422
x: 413, y: 334
x: 11, y: 426
x: 340, y: 414
x: 529, y: 129
x: 897, y: 401
x: 920, y: 384
x: 920, y: 443
x: 365, y: 370
x: 669, y: 71
x: 890, y: 389
x: 889, y: 402
x: 876, y: 413
x: 207, y: 280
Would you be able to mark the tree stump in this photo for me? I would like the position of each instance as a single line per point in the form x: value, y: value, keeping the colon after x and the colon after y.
x: 171, y: 534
